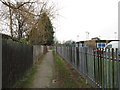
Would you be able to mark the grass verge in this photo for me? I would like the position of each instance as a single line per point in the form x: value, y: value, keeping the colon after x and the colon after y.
x: 66, y: 76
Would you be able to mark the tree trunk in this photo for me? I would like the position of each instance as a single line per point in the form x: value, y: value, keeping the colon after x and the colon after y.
x: 11, y: 30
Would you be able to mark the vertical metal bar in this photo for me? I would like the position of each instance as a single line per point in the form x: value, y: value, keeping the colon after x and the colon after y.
x: 117, y: 68
x: 83, y: 60
x: 86, y: 64
x: 105, y: 64
x: 94, y: 66
x: 75, y: 57
x: 80, y: 59
x: 109, y: 67
x: 71, y: 54
x: 113, y: 67
x: 98, y: 75
x: 100, y: 68
x: 106, y: 67
x: 103, y: 68
x: 77, y: 51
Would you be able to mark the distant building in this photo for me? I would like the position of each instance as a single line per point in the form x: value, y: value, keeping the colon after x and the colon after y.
x: 94, y: 43
x: 95, y: 38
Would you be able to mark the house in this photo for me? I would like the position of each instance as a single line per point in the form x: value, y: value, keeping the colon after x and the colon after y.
x: 94, y: 43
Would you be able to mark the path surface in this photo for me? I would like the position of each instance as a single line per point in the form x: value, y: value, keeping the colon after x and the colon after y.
x: 43, y: 77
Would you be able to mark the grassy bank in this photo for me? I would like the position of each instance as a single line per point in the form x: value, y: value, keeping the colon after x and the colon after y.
x: 66, y: 76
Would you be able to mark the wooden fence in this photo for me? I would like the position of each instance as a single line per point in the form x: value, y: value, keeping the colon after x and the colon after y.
x: 100, y: 67
x: 17, y: 58
x: 38, y: 51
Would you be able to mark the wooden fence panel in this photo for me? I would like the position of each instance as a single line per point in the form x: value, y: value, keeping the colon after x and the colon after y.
x: 17, y: 58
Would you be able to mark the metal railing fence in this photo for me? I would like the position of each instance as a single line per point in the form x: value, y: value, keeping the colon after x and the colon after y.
x: 101, y: 68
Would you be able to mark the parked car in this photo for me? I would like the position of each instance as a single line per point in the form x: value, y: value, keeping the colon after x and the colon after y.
x: 112, y: 44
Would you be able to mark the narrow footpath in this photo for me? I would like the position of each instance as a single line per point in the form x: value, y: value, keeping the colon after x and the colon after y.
x: 43, y: 77
x: 54, y: 72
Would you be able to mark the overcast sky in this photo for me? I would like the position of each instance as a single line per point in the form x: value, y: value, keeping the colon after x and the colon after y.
x: 98, y: 17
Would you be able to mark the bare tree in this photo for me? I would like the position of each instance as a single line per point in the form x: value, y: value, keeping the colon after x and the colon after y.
x: 18, y: 14
x: 24, y: 16
x: 10, y: 17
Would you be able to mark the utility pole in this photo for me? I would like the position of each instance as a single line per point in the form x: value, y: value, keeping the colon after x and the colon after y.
x: 77, y: 37
x: 115, y: 34
x: 99, y: 36
x: 119, y: 31
x: 118, y: 78
x: 87, y: 35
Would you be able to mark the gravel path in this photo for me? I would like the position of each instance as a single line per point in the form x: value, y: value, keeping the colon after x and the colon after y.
x: 43, y: 77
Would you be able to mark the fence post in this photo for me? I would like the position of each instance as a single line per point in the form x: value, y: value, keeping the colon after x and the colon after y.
x: 0, y: 61
x: 77, y: 61
x: 107, y: 68
x: 103, y: 67
x: 94, y: 66
x: 113, y: 67
x: 117, y: 63
x: 86, y: 63
x: 100, y: 67
x: 97, y: 70
x: 118, y: 69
